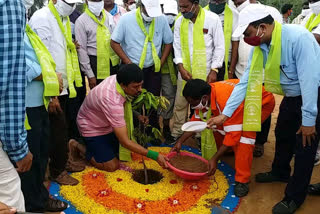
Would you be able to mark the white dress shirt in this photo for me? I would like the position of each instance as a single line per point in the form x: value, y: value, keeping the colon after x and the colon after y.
x: 235, y: 20
x: 214, y: 41
x: 46, y: 26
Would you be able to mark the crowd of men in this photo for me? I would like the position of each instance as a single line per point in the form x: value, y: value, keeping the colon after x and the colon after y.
x: 222, y: 63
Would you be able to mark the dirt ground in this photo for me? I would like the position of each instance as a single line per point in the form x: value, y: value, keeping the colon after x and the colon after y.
x: 262, y: 197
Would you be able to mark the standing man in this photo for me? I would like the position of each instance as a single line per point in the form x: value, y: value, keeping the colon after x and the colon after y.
x: 289, y: 56
x: 42, y: 83
x: 138, y: 39
x: 130, y: 5
x: 229, y: 20
x: 286, y: 11
x: 114, y: 9
x: 169, y: 72
x: 199, y: 53
x: 93, y: 32
x: 52, y: 25
x: 312, y: 21
x: 244, y: 52
x: 304, y: 13
x: 14, y: 151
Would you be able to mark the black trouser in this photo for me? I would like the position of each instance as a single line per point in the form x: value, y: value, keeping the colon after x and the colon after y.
x: 262, y: 137
x: 288, y: 142
x: 94, y: 67
x: 35, y: 193
x: 152, y: 83
x: 58, y: 151
x: 72, y: 108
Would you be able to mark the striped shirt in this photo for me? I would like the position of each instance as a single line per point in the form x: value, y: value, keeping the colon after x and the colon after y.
x: 12, y: 79
x: 102, y: 110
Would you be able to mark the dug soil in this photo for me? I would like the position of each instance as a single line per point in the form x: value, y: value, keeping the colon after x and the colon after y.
x: 153, y: 176
x: 189, y: 164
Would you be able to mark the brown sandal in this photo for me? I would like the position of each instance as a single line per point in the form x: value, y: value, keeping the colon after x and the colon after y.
x: 55, y: 205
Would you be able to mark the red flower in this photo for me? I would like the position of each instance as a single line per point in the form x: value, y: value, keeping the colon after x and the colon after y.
x: 173, y: 182
x: 119, y: 179
x: 147, y: 190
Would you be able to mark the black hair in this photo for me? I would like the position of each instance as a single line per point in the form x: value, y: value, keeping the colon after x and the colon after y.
x: 266, y: 20
x: 194, y: 1
x: 196, y: 88
x: 305, y: 5
x: 125, y: 1
x: 129, y: 73
x: 286, y: 7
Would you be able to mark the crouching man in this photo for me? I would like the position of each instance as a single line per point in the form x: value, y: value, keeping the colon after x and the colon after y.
x: 209, y: 100
x: 105, y: 120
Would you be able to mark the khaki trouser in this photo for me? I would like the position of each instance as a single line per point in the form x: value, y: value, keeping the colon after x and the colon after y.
x: 180, y: 111
x: 10, y: 185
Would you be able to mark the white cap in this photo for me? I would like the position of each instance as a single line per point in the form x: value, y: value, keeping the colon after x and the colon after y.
x: 74, y: 1
x: 152, y: 7
x: 251, y: 13
x: 170, y: 6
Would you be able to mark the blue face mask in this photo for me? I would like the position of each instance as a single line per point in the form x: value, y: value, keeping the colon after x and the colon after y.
x: 190, y: 14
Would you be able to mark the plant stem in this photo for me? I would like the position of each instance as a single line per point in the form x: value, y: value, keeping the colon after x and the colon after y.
x: 145, y: 172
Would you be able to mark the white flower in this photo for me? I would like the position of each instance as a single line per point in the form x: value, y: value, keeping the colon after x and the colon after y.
x: 139, y: 206
x: 175, y: 202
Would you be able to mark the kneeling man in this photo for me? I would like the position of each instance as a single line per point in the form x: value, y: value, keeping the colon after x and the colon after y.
x: 209, y: 100
x: 105, y: 120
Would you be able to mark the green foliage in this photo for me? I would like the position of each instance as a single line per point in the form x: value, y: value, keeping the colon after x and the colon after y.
x: 147, y: 102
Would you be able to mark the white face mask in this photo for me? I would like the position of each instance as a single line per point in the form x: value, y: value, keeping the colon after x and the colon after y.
x: 28, y: 3
x: 315, y: 7
x: 132, y: 7
x: 146, y: 18
x: 64, y: 9
x: 305, y: 12
x: 96, y: 7
x: 200, y: 106
x: 243, y: 5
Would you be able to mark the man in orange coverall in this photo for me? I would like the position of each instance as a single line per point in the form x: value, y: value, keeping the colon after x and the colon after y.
x: 203, y: 96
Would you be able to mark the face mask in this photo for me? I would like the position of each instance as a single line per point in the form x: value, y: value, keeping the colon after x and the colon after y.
x: 96, y: 7
x: 170, y: 19
x: 315, y: 7
x: 305, y: 12
x: 190, y: 14
x: 146, y: 18
x: 243, y: 5
x: 200, y: 106
x: 64, y: 9
x: 217, y: 8
x: 132, y: 7
x: 28, y: 3
x: 254, y: 40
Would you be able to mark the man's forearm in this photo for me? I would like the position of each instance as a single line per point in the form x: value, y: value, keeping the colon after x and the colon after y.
x: 119, y: 51
x: 220, y: 152
x: 234, y: 56
x: 166, y: 51
x: 185, y: 136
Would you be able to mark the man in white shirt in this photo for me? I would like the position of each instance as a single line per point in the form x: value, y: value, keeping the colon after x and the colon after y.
x: 45, y: 24
x: 208, y: 60
x: 229, y: 23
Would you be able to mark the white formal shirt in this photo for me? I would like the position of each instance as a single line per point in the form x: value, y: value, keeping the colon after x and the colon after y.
x: 46, y: 26
x: 214, y: 41
x: 235, y: 19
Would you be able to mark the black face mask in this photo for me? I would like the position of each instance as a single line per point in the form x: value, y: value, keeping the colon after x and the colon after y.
x: 217, y: 8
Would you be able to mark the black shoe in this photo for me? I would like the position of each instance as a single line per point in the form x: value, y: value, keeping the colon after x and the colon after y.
x: 241, y: 189
x: 268, y: 177
x: 314, y: 189
x: 170, y: 140
x: 285, y: 207
x: 55, y: 205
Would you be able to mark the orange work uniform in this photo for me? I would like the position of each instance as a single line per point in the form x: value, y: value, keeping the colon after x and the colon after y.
x: 230, y: 133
